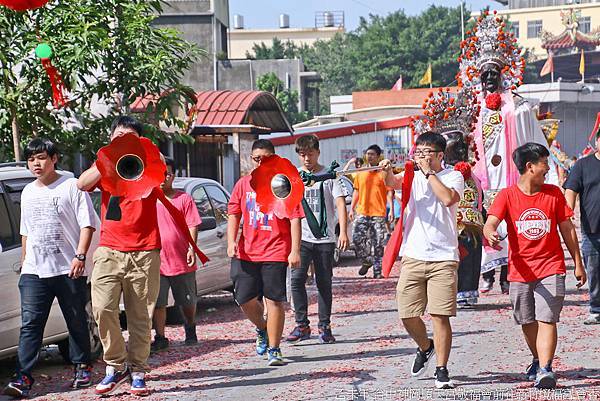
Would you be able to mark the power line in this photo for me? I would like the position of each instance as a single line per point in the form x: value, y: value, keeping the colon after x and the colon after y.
x: 368, y: 6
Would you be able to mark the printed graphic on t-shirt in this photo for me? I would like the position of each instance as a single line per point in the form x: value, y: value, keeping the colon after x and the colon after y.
x: 256, y: 218
x: 533, y: 224
x: 313, y: 198
x: 47, y: 235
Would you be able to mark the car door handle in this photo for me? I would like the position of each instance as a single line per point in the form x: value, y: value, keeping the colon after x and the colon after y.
x: 220, y: 234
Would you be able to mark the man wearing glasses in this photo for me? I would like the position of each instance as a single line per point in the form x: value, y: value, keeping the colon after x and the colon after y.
x: 266, y: 246
x: 429, y: 251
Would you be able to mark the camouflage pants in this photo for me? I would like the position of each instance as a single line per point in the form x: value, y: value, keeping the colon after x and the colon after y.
x: 370, y: 232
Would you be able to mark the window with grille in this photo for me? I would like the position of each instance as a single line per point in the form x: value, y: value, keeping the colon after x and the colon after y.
x: 585, y: 24
x: 534, y: 28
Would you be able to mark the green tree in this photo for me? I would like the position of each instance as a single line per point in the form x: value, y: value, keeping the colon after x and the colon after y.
x: 288, y: 99
x: 277, y: 50
x: 373, y: 56
x: 107, y: 52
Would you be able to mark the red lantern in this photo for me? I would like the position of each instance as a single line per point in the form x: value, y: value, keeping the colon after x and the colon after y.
x: 278, y: 186
x: 23, y: 5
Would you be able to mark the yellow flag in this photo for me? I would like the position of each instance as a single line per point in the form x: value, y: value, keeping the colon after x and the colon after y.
x: 426, y: 77
x: 582, y: 65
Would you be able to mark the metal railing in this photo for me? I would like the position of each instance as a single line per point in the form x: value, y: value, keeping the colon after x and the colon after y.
x: 329, y: 19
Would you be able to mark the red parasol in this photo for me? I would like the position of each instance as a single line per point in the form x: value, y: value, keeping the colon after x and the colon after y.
x: 278, y: 186
x: 23, y: 5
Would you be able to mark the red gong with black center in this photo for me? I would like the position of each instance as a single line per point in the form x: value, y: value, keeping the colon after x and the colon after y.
x: 278, y: 186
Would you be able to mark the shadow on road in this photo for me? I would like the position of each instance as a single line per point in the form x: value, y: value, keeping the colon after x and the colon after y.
x: 364, y: 375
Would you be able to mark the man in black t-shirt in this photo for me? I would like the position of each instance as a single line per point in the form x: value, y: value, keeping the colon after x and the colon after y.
x: 584, y: 180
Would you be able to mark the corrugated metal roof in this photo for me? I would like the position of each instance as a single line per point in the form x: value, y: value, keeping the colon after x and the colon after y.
x: 238, y: 108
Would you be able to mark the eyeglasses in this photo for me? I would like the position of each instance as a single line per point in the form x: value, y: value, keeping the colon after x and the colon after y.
x: 425, y: 152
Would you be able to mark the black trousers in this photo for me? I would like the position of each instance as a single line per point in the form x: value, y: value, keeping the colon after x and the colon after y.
x: 322, y: 256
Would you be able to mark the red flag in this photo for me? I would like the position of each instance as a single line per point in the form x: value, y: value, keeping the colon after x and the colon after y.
x: 393, y: 246
x: 398, y: 85
x: 548, y: 67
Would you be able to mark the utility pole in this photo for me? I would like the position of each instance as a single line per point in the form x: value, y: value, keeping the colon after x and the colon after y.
x: 462, y: 20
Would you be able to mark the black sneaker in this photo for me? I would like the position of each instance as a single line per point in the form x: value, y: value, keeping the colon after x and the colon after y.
x: 19, y: 387
x: 442, y: 380
x: 532, y: 369
x: 190, y: 334
x: 364, y: 268
x: 160, y: 343
x: 421, y: 360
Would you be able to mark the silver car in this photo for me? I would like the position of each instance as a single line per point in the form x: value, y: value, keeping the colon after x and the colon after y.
x: 211, y: 200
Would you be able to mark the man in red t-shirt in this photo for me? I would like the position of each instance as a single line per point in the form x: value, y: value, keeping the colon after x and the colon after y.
x: 127, y: 263
x: 536, y: 265
x: 177, y: 263
x: 260, y: 257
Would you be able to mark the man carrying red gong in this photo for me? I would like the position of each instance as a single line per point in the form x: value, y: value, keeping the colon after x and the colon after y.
x: 259, y: 258
x: 127, y: 263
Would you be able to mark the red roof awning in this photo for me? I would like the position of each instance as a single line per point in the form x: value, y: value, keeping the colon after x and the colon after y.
x: 234, y: 108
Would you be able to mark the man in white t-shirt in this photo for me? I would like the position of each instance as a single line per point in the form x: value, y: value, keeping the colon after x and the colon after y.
x: 429, y: 251
x: 318, y: 243
x: 57, y: 224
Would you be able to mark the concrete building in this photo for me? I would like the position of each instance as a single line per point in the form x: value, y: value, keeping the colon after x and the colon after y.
x: 204, y: 22
x: 244, y: 74
x: 242, y: 40
x: 530, y: 19
x: 575, y: 104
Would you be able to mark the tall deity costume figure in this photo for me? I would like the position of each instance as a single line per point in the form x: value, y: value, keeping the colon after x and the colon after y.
x: 455, y: 116
x: 491, y: 64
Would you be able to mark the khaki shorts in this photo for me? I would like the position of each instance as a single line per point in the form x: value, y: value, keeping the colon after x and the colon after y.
x: 540, y: 300
x: 430, y: 285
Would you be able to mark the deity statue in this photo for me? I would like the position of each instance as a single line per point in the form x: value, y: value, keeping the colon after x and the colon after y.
x: 491, y: 65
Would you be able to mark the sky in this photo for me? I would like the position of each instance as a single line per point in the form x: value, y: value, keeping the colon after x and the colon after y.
x: 265, y: 13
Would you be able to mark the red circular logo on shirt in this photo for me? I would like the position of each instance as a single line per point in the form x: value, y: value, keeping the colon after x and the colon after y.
x: 533, y: 224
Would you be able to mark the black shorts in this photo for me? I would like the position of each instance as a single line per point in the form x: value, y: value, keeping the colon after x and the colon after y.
x: 183, y: 288
x: 252, y: 280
